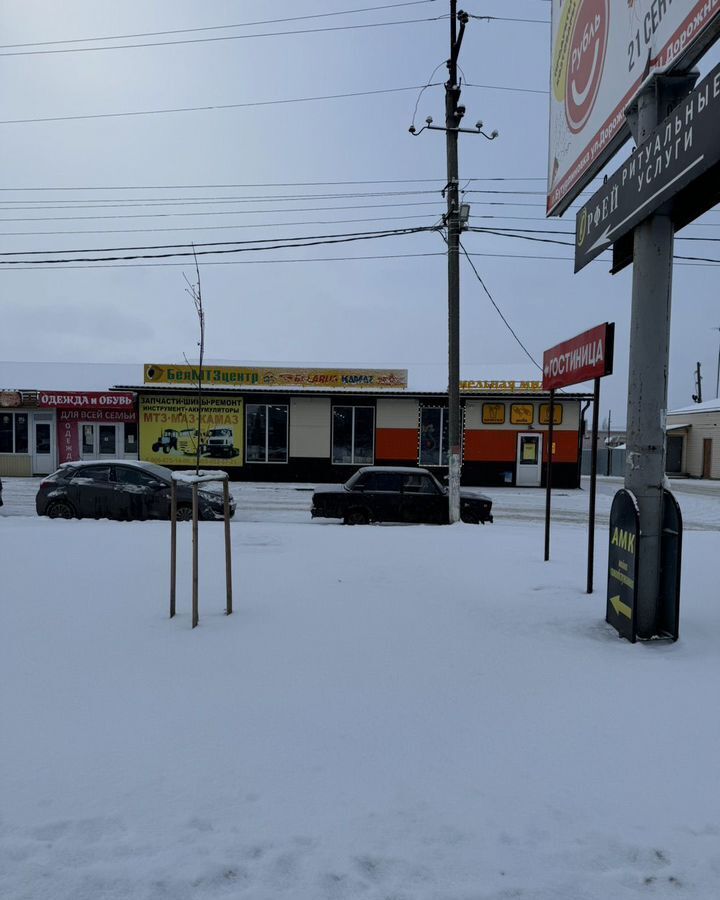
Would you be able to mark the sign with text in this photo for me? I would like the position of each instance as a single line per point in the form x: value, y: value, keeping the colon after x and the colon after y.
x: 241, y: 376
x: 602, y: 52
x: 86, y: 400
x: 623, y: 564
x: 169, y: 432
x: 682, y: 148
x: 582, y: 358
x: 505, y: 387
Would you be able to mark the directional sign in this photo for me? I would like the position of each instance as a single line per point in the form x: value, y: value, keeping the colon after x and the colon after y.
x: 586, y: 356
x: 623, y: 564
x: 664, y: 168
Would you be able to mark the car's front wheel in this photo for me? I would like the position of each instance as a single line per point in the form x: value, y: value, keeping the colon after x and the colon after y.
x: 356, y: 516
x: 60, y: 509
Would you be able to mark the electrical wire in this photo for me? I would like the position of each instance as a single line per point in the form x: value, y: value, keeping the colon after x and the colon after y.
x: 141, y: 34
x: 226, y: 37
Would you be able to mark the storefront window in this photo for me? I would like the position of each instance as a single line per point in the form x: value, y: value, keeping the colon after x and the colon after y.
x: 433, y: 436
x: 131, y: 437
x: 107, y: 439
x: 14, y: 433
x: 353, y: 435
x: 266, y: 433
x: 43, y: 442
x: 88, y: 439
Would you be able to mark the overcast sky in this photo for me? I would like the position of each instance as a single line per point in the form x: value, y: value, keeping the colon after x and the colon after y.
x: 370, y: 312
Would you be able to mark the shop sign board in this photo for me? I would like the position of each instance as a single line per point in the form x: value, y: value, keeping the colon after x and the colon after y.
x: 504, y: 387
x: 10, y: 399
x: 169, y: 435
x: 623, y: 558
x: 583, y: 358
x: 684, y: 147
x: 88, y: 400
x: 243, y: 376
x: 602, y: 53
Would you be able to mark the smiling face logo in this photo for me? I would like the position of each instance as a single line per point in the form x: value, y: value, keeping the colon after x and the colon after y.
x: 585, y: 61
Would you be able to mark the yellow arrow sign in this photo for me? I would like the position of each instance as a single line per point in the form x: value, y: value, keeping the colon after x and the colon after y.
x: 620, y: 607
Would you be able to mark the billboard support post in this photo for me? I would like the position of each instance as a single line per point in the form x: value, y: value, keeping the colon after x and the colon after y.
x: 593, y: 487
x: 653, y: 244
x: 548, y: 487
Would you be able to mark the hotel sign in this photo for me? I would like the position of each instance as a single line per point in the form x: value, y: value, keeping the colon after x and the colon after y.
x: 275, y: 377
x: 583, y: 358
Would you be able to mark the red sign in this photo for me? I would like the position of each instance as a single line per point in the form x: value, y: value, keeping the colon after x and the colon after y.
x: 88, y: 400
x: 582, y: 358
x: 68, y: 442
x: 588, y: 48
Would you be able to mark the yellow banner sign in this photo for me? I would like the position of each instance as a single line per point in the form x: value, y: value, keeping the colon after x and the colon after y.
x: 169, y: 432
x: 241, y: 376
x: 505, y: 387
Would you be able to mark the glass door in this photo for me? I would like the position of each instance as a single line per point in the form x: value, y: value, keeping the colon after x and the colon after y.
x: 529, y: 460
x: 98, y: 441
x: 42, y: 448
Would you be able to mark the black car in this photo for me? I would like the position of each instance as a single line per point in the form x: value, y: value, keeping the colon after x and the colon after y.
x: 396, y: 494
x: 121, y: 489
x: 1, y: 500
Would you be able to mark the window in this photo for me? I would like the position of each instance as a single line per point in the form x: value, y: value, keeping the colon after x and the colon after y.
x: 131, y: 437
x: 545, y: 414
x: 380, y: 481
x: 419, y: 484
x: 493, y: 413
x: 433, y: 436
x: 107, y: 439
x: 43, y: 442
x: 529, y: 451
x: 88, y: 439
x: 266, y: 433
x: 94, y: 474
x: 137, y: 478
x: 13, y: 433
x: 521, y: 413
x: 353, y: 441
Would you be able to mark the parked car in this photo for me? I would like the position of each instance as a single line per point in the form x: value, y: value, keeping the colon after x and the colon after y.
x: 1, y: 500
x: 396, y: 494
x: 121, y: 489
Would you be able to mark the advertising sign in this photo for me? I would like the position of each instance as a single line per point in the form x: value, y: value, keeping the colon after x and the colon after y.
x: 242, y: 376
x: 602, y: 52
x: 681, y: 149
x: 86, y: 400
x: 623, y: 564
x: 501, y: 387
x: 169, y: 432
x: 582, y: 358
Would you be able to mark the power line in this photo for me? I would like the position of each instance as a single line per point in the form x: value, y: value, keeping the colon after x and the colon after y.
x: 123, y: 37
x: 359, y: 235
x: 226, y: 37
x: 297, y: 243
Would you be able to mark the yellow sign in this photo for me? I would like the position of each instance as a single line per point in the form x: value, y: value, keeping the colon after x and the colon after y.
x: 169, y: 432
x: 521, y: 414
x: 493, y: 413
x: 241, y: 376
x: 505, y: 387
x: 545, y: 414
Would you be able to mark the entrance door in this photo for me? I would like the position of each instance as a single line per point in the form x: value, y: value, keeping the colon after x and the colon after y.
x: 98, y: 441
x: 707, y: 458
x: 42, y: 447
x: 529, y: 460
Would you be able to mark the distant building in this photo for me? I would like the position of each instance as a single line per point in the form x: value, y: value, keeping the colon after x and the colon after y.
x: 693, y: 440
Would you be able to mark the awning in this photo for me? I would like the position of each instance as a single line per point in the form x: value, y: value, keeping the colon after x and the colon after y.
x: 678, y: 427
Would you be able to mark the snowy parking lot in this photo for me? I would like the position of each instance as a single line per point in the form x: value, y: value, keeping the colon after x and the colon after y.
x: 415, y: 713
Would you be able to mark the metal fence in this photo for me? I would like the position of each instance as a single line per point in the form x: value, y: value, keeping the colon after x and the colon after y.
x: 610, y: 461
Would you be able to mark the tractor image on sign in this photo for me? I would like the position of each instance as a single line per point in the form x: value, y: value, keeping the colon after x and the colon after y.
x: 167, y: 441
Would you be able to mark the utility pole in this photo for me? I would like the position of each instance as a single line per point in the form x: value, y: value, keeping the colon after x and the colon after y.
x: 653, y: 244
x: 697, y: 397
x: 454, y: 113
x: 717, y: 381
x: 608, y: 462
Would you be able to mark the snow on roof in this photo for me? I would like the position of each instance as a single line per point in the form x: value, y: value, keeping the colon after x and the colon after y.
x: 707, y: 406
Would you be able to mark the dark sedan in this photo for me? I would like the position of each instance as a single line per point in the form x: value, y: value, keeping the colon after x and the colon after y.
x: 121, y: 489
x: 395, y: 494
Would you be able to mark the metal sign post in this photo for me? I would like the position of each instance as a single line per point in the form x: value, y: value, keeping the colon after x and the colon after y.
x: 593, y: 488
x: 548, y: 477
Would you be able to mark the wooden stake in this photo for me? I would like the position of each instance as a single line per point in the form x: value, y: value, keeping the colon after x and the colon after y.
x: 195, y: 612
x: 228, y: 560
x: 173, y: 544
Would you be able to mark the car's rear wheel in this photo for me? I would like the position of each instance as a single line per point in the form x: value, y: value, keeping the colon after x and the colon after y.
x: 60, y: 509
x: 356, y: 516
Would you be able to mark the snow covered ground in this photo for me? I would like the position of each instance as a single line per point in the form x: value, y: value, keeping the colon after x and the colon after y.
x: 391, y: 713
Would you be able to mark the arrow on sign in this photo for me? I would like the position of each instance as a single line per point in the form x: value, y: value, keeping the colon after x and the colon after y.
x: 621, y: 609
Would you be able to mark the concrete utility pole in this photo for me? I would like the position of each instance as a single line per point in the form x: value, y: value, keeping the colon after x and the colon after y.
x: 653, y: 245
x: 453, y: 115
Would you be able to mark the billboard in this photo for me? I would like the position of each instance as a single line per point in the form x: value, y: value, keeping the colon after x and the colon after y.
x: 587, y: 356
x: 602, y: 52
x: 265, y: 376
x: 169, y: 432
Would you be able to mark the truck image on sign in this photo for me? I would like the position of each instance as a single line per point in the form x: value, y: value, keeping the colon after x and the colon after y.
x: 220, y: 443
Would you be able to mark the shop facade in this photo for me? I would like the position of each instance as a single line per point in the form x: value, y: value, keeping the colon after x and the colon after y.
x: 39, y: 430
x: 693, y: 440
x: 261, y: 430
